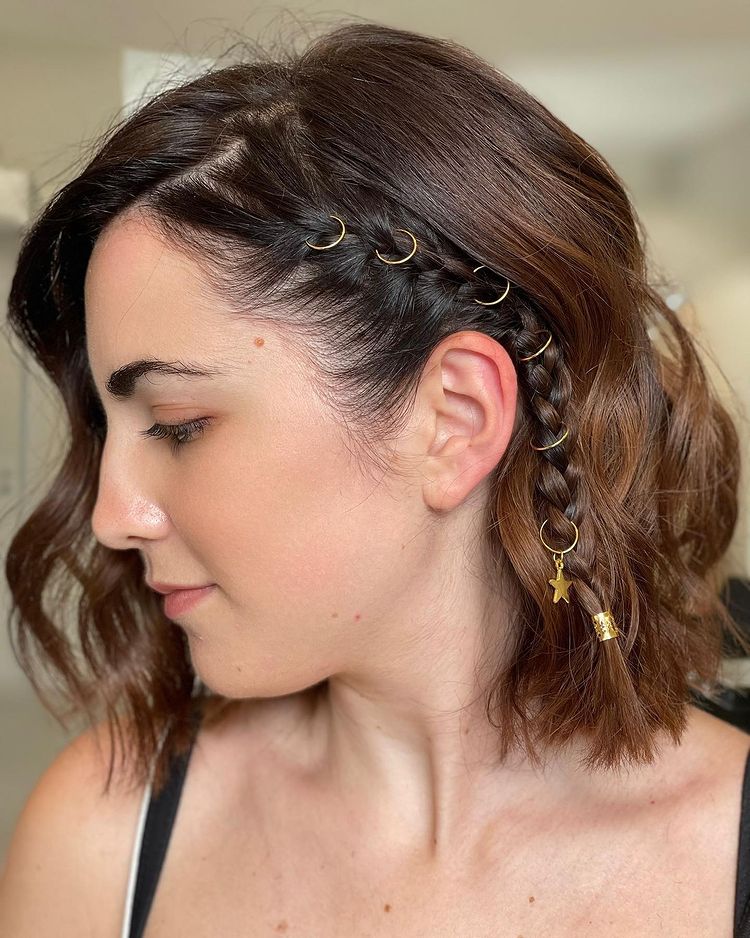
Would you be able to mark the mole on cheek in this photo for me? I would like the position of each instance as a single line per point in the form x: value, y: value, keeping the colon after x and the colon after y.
x: 260, y: 341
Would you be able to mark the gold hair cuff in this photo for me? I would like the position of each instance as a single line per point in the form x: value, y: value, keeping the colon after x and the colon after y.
x: 604, y: 624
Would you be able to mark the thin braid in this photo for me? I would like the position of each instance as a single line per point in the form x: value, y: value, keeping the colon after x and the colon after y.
x: 548, y: 385
x: 611, y: 705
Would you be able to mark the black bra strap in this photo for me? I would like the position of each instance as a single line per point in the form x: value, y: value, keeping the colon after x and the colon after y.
x: 742, y: 892
x: 157, y: 829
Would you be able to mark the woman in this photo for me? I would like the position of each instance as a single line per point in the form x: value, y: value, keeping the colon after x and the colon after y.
x: 359, y: 350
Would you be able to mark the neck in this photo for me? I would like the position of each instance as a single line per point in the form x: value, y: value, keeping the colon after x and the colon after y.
x: 411, y: 773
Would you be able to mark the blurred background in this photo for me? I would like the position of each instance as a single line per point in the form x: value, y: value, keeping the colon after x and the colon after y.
x: 662, y: 90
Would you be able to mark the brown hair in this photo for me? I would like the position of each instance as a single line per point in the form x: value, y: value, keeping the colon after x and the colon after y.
x: 392, y: 129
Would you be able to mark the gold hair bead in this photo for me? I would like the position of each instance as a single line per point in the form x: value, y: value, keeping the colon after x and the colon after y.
x: 605, y: 625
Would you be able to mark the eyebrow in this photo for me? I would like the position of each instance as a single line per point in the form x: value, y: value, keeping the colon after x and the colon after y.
x: 123, y: 381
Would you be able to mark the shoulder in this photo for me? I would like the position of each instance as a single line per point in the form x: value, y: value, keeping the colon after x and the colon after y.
x: 716, y: 745
x: 711, y: 810
x: 708, y: 766
x: 71, y: 842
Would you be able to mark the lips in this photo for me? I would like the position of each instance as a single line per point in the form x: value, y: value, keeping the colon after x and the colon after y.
x: 180, y: 601
x: 165, y: 588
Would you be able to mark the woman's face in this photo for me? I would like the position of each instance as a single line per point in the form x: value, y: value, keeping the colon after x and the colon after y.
x: 267, y: 503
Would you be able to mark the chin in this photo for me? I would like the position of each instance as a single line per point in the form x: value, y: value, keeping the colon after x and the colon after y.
x: 240, y: 682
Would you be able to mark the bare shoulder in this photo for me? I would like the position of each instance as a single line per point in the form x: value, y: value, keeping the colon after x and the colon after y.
x: 708, y: 767
x: 715, y: 755
x: 65, y: 871
x: 719, y: 746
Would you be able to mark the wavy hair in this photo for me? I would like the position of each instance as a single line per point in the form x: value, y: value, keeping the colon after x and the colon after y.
x: 240, y: 167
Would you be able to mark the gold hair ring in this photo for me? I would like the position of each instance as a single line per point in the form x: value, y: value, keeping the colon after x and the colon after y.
x: 492, y: 302
x: 550, y: 445
x: 603, y: 621
x: 402, y: 259
x: 539, y: 351
x: 324, y: 247
x: 526, y: 359
x: 560, y: 584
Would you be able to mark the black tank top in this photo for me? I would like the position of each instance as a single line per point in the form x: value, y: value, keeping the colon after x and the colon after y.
x: 159, y: 817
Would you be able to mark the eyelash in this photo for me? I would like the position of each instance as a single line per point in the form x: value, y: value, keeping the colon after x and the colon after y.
x: 178, y: 433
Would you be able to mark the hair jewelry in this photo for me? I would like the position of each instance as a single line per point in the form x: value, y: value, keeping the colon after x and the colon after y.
x: 604, y: 622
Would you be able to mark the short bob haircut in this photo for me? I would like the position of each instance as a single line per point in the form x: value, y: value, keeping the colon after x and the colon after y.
x: 240, y: 166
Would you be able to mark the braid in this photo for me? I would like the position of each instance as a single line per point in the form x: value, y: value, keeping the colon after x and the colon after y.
x: 548, y: 385
x: 611, y: 705
x: 543, y: 376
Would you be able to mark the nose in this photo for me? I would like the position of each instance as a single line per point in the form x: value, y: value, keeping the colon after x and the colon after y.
x: 126, y: 508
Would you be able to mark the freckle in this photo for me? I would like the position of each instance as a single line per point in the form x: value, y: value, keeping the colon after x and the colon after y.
x: 282, y: 926
x: 387, y: 907
x: 260, y: 341
x: 239, y: 667
x: 334, y: 615
x: 532, y: 899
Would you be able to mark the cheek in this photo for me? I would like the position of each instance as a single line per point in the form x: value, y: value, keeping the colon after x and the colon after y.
x: 302, y: 546
x: 296, y: 530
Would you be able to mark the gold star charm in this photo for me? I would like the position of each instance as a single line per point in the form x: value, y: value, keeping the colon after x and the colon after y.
x: 560, y: 583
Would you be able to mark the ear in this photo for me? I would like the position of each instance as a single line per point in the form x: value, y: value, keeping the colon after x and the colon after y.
x: 464, y: 415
